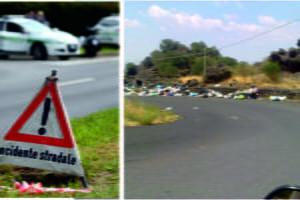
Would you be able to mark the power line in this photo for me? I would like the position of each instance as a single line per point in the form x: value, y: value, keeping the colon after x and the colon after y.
x: 263, y: 33
x: 235, y: 43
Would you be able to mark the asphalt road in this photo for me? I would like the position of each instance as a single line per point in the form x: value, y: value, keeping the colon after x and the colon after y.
x: 220, y: 149
x: 87, y: 85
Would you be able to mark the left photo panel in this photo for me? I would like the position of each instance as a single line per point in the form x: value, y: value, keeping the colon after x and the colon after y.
x: 59, y: 105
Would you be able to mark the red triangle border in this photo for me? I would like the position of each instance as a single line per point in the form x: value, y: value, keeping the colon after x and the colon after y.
x: 67, y: 142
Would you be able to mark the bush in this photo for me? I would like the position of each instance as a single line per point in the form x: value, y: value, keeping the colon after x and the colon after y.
x: 131, y: 69
x: 272, y: 70
x: 228, y: 61
x: 197, y: 67
x: 244, y: 70
x: 166, y: 69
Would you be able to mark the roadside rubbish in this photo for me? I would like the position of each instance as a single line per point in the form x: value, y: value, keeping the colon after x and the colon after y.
x: 183, y: 90
x: 278, y: 98
x: 38, y: 189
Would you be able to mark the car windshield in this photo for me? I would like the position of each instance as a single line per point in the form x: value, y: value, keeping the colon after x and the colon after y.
x: 109, y: 23
x: 33, y: 26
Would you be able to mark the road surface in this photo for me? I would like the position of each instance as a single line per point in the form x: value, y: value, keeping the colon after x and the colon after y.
x: 220, y: 149
x: 87, y: 85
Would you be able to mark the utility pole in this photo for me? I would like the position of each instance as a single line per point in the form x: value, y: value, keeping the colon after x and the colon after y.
x: 204, y: 73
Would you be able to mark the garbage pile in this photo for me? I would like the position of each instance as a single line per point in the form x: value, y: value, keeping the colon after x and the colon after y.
x: 182, y: 90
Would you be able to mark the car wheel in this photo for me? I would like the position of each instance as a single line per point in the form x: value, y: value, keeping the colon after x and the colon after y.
x: 91, y: 51
x: 39, y: 52
x: 64, y: 57
x: 4, y: 57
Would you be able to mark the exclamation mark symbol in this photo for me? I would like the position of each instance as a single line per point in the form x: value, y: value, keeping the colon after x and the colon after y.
x: 47, y: 105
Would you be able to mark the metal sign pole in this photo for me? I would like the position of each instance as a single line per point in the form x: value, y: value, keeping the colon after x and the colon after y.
x: 82, y: 178
x: 84, y: 183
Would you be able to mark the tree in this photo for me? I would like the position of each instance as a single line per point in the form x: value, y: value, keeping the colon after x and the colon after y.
x: 183, y: 48
x: 272, y: 70
x: 228, y: 61
x: 197, y: 67
x: 166, y: 69
x: 213, y: 52
x: 156, y: 57
x: 244, y: 70
x: 147, y: 62
x: 170, y: 45
x: 176, y: 59
x: 131, y: 69
x: 198, y: 47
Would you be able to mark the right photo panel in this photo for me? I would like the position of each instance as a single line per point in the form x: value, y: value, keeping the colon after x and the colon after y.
x: 212, y: 92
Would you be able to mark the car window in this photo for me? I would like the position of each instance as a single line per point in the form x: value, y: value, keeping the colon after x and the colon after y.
x: 35, y: 27
x: 1, y: 26
x: 12, y: 27
x: 109, y: 23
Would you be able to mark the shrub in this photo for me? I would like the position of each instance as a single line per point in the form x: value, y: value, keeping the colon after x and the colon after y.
x: 272, y: 70
x: 197, y: 67
x: 131, y: 69
x: 166, y: 69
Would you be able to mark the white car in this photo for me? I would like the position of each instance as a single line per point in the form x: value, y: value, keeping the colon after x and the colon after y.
x: 19, y: 35
x: 108, y: 30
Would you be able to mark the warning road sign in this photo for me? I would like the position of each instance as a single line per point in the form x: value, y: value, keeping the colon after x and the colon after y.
x: 42, y: 136
x: 43, y: 123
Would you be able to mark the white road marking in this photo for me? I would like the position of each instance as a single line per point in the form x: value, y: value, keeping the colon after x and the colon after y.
x: 195, y: 108
x: 80, y: 62
x: 78, y: 81
x: 234, y: 117
x: 168, y: 108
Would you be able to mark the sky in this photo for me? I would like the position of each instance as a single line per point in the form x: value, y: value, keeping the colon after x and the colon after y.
x: 217, y: 23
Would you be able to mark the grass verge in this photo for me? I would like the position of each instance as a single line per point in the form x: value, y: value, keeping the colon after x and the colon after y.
x: 97, y: 137
x: 137, y: 113
x: 106, y: 49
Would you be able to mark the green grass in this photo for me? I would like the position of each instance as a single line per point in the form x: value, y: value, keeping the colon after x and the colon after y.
x: 137, y: 113
x: 105, y: 49
x: 97, y: 138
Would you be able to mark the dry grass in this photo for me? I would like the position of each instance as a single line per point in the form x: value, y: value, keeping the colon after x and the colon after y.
x: 186, y: 78
x: 260, y: 80
x: 137, y: 114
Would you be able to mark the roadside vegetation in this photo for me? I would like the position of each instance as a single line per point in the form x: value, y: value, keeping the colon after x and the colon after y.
x: 260, y: 78
x: 137, y: 114
x: 97, y: 137
x: 106, y: 50
x: 281, y: 69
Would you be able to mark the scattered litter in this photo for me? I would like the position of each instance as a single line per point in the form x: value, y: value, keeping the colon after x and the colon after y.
x: 38, y: 188
x: 183, y: 90
x: 278, y: 98
x: 193, y: 94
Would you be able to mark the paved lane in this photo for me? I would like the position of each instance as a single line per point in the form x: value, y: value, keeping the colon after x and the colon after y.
x: 223, y: 149
x: 88, y: 85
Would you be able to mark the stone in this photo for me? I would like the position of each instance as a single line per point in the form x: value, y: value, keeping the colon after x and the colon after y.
x: 217, y: 74
x: 192, y: 83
